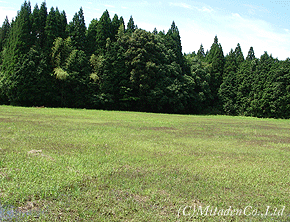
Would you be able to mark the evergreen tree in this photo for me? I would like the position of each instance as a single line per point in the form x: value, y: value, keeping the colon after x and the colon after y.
x: 131, y: 26
x: 38, y: 19
x: 122, y: 22
x: 35, y: 25
x: 239, y: 55
x: 30, y: 81
x: 230, y: 63
x: 55, y: 27
x: 227, y: 91
x: 277, y: 90
x: 251, y: 54
x: 19, y: 39
x: 77, y: 30
x: 115, y: 27
x: 62, y: 24
x: 4, y: 31
x: 91, y: 37
x: 104, y: 31
x: 42, y: 16
x: 51, y: 31
x: 200, y: 52
x: 215, y: 57
x: 24, y: 27
x: 173, y: 42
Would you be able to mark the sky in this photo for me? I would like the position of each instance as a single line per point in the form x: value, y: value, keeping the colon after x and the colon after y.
x: 264, y: 25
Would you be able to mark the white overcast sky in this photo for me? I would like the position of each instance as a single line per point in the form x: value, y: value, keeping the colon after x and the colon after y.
x: 261, y: 24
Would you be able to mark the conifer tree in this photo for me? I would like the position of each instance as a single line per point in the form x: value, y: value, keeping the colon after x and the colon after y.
x: 115, y: 27
x: 19, y: 39
x: 42, y: 15
x: 35, y: 25
x: 216, y: 58
x: 131, y: 26
x: 62, y: 24
x: 4, y: 31
x: 23, y: 28
x: 239, y: 55
x: 104, y: 31
x: 200, y: 52
x: 231, y: 65
x: 77, y: 30
x: 227, y: 91
x: 51, y: 31
x: 251, y: 54
x: 175, y: 42
x: 91, y: 35
x: 55, y: 27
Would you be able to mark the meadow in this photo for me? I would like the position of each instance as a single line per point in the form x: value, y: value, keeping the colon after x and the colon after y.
x: 77, y: 165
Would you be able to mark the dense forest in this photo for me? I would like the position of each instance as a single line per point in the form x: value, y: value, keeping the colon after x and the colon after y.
x: 46, y: 61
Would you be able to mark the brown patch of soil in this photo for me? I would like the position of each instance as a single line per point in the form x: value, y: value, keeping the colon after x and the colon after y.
x: 35, y: 152
x: 29, y: 206
x: 158, y: 128
x: 39, y: 153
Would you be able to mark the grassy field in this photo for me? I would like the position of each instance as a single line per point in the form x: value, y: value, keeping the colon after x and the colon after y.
x: 80, y: 165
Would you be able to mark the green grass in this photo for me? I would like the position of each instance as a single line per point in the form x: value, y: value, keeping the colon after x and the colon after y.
x: 127, y: 166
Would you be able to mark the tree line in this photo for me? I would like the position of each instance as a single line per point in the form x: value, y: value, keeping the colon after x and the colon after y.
x: 46, y: 61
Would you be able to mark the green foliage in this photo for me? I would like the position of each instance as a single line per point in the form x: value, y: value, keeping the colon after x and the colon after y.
x: 131, y: 26
x: 116, y: 23
x: 97, y: 63
x: 71, y: 67
x: 60, y: 73
x: 199, y: 81
x: 29, y: 83
x: 200, y: 52
x: 239, y: 54
x: 91, y: 35
x: 216, y: 59
x: 45, y: 61
x: 173, y: 42
x: 104, y: 31
x: 19, y: 40
x: 60, y: 51
x: 4, y: 32
x: 251, y: 54
x: 56, y: 25
x: 77, y: 30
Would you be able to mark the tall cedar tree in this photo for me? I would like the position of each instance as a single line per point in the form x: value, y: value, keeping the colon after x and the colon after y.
x: 116, y: 23
x: 200, y: 52
x: 42, y: 16
x: 55, y: 26
x: 251, y: 54
x: 104, y: 31
x: 216, y: 58
x: 19, y: 39
x: 4, y: 31
x: 239, y: 55
x: 227, y: 91
x: 91, y: 37
x: 77, y: 30
x: 131, y: 26
x: 174, y: 42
